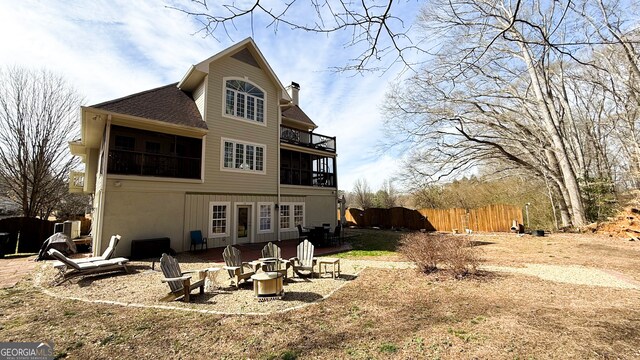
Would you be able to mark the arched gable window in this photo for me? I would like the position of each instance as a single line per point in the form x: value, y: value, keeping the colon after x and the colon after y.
x: 244, y: 100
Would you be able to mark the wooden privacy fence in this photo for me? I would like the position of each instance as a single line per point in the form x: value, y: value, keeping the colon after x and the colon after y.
x: 492, y: 218
x: 33, y: 232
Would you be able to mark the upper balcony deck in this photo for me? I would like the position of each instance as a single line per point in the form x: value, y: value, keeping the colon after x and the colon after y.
x: 308, y: 139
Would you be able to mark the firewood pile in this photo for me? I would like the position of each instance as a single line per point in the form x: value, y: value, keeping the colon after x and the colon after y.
x: 625, y: 225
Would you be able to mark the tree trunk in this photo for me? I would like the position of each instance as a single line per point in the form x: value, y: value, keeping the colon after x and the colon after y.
x: 559, y: 148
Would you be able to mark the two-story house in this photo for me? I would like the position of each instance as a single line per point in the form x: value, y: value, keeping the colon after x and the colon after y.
x: 227, y: 150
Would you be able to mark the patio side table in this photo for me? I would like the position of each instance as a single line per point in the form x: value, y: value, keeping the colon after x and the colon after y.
x: 328, y: 261
x: 211, y: 282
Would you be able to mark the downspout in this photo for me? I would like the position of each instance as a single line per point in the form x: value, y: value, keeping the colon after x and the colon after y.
x: 105, y: 156
x: 277, y: 224
x: 335, y: 173
x: 277, y: 209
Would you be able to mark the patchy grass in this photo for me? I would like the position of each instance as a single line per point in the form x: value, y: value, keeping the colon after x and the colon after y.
x: 388, y: 348
x: 384, y: 313
x: 377, y: 243
x: 363, y: 253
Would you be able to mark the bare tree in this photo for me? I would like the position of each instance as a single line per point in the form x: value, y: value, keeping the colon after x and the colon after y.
x: 362, y: 196
x: 387, y: 196
x: 375, y: 29
x: 72, y: 205
x: 37, y: 114
x: 501, y: 89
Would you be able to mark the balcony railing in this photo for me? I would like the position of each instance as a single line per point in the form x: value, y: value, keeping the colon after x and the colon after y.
x: 307, y: 178
x: 76, y: 182
x: 126, y: 162
x: 307, y: 139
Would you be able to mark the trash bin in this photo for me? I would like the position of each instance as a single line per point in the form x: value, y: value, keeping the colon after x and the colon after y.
x: 4, y: 239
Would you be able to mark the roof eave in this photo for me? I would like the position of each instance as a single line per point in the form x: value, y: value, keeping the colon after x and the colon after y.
x: 140, y: 120
x: 191, y: 79
x: 312, y: 126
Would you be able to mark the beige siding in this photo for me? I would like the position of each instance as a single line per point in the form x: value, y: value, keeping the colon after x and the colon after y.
x: 199, y: 97
x: 196, y: 216
x: 307, y: 191
x: 225, y: 127
x: 143, y: 215
x: 320, y: 210
x: 146, y: 184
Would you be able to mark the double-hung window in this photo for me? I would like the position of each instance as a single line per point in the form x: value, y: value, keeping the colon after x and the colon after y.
x: 285, y: 216
x: 219, y: 219
x: 244, y: 100
x: 291, y: 215
x: 265, y: 217
x: 243, y: 156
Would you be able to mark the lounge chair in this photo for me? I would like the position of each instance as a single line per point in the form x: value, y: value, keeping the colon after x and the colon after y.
x: 197, y: 239
x: 305, y: 260
x: 180, y: 281
x: 238, y: 270
x: 106, y: 255
x: 272, y: 250
x: 68, y: 269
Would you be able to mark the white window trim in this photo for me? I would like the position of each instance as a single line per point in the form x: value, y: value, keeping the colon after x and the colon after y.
x: 227, y: 219
x: 271, y: 207
x: 224, y: 101
x: 291, y: 216
x: 245, y: 143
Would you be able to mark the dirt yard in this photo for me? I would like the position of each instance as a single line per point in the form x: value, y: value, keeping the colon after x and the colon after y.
x: 561, y: 296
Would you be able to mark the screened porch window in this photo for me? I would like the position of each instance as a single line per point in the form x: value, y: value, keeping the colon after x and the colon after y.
x: 148, y: 153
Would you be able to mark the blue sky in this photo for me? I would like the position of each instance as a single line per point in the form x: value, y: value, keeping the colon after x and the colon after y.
x: 109, y: 49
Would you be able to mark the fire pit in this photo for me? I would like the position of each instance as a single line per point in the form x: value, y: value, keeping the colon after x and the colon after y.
x: 268, y: 285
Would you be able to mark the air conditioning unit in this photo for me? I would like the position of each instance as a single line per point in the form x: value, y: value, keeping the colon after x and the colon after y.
x: 71, y: 229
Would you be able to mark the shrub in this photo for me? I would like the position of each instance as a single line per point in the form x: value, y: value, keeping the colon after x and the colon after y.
x: 433, y: 252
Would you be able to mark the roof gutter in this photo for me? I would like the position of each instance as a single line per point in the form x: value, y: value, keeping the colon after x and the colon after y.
x: 186, y: 76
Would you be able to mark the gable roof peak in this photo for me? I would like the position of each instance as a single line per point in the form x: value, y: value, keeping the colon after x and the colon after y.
x: 197, y: 72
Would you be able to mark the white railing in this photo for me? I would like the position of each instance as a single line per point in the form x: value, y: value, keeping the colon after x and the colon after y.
x: 76, y: 182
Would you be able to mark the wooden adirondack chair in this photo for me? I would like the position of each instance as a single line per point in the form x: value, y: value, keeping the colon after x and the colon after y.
x: 238, y: 270
x: 180, y: 282
x: 272, y: 250
x: 305, y: 260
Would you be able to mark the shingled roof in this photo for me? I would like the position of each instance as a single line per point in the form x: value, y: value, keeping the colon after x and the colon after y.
x: 295, y: 113
x: 166, y: 103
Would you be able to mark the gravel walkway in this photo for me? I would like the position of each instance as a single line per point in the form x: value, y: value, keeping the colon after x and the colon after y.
x: 572, y: 274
